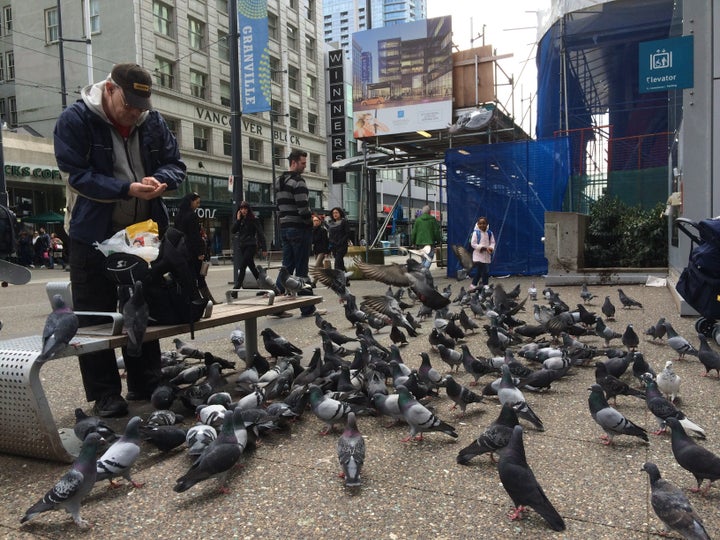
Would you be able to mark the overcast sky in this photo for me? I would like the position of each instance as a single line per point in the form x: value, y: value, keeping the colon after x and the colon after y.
x: 506, y: 29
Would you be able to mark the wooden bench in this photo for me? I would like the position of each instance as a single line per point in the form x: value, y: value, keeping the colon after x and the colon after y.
x: 28, y: 427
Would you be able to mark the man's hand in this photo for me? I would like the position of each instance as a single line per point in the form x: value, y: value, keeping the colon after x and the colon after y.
x: 148, y: 188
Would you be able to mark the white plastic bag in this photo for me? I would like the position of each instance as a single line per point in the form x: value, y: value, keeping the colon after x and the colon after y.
x: 120, y: 242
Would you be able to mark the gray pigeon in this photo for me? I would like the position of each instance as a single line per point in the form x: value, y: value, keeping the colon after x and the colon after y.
x: 496, y: 436
x: 136, y: 313
x: 708, y: 357
x: 630, y: 338
x: 72, y: 488
x: 610, y: 420
x: 389, y: 406
x: 461, y: 395
x: 120, y: 457
x: 351, y: 452
x: 216, y: 460
x: 701, y: 462
x: 520, y: 483
x: 509, y: 394
x: 608, y: 309
x: 187, y: 350
x: 265, y: 281
x: 663, y: 409
x: 673, y: 507
x: 291, y: 284
x: 678, y: 343
x: 60, y: 327
x: 329, y: 410
x: 164, y: 438
x: 419, y: 418
x: 626, y: 301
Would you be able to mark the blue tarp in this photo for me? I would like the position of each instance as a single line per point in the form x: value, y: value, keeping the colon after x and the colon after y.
x: 513, y: 185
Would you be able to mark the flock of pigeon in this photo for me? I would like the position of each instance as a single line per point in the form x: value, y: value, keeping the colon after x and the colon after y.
x: 354, y: 375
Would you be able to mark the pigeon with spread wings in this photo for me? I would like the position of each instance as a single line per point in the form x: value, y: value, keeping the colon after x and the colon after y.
x: 464, y: 256
x: 411, y: 274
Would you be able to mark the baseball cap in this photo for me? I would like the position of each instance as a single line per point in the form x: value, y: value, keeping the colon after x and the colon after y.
x: 136, y: 83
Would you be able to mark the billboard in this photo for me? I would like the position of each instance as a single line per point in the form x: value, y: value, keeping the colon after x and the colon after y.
x: 254, y: 55
x: 402, y: 78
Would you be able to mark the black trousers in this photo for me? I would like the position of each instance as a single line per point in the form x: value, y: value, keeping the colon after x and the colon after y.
x: 246, y: 261
x: 93, y: 291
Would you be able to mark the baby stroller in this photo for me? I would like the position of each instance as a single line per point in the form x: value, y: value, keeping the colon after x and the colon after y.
x: 699, y: 283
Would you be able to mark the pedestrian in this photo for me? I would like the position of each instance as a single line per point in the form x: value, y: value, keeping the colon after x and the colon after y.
x: 25, y: 249
x: 339, y: 235
x: 248, y: 237
x: 426, y: 233
x: 44, y: 249
x: 187, y: 221
x: 120, y: 158
x: 483, y: 246
x: 320, y: 242
x: 295, y: 217
x: 57, y: 250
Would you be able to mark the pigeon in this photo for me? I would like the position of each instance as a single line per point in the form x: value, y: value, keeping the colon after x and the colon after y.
x: 164, y: 438
x: 663, y: 410
x: 496, y: 436
x: 585, y: 294
x: 84, y: 425
x: 678, y: 343
x: 276, y: 345
x: 673, y: 507
x: 351, y: 452
x: 701, y: 462
x: 472, y: 365
x: 427, y: 373
x: 388, y: 307
x: 397, y: 336
x: 120, y: 457
x: 72, y: 488
x: 198, y: 438
x: 216, y: 460
x: 136, y: 313
x: 291, y: 284
x: 708, y: 357
x: 521, y: 485
x: 657, y: 331
x: 532, y: 292
x: 463, y: 256
x: 668, y: 382
x: 626, y: 301
x: 334, y: 279
x: 388, y: 405
x: 608, y: 309
x: 60, y: 327
x: 164, y: 418
x: 630, y: 339
x: 466, y: 322
x: 460, y: 395
x: 187, y: 350
x: 613, y: 386
x: 640, y: 367
x: 266, y: 282
x: 610, y: 420
x: 419, y: 418
x: 329, y: 410
x: 509, y: 394
x: 605, y: 332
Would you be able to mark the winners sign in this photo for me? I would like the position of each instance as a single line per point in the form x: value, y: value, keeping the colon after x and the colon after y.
x: 338, y: 115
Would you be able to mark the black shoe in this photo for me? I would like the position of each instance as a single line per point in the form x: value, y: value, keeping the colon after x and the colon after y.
x: 233, y: 294
x: 110, y: 406
x: 137, y: 396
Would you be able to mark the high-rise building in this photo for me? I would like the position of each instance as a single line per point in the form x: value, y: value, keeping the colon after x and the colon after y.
x: 343, y: 17
x: 184, y: 43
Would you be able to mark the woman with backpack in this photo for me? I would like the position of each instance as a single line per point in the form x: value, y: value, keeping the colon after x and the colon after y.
x: 483, y: 246
x: 339, y: 234
x: 248, y: 237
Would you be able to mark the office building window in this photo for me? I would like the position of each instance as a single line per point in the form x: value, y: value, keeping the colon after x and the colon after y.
x: 200, y: 137
x: 275, y: 71
x: 293, y: 74
x: 2, y: 68
x: 312, y: 120
x: 94, y: 17
x: 222, y: 5
x: 12, y: 109
x: 227, y: 143
x: 162, y: 18
x: 311, y: 10
x: 196, y: 34
x: 310, y: 47
x: 225, y: 93
x: 273, y: 26
x: 255, y: 150
x: 276, y: 110
x: 165, y: 72
x: 223, y: 47
x: 7, y: 19
x: 10, y: 65
x: 3, y: 111
x: 52, y: 30
x: 311, y: 86
x: 292, y: 37
x: 294, y: 117
x: 314, y: 162
x: 280, y: 157
x: 197, y: 84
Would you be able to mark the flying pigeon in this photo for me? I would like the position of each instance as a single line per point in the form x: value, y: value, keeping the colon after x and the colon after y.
x: 60, y: 327
x: 216, y: 460
x: 626, y: 301
x: 708, y: 357
x: 120, y: 457
x: 521, y: 485
x: 419, y: 418
x: 668, y: 382
x: 136, y: 314
x: 463, y: 255
x: 72, y: 488
x: 673, y: 507
x: 701, y: 462
x: 334, y: 279
x: 388, y: 307
x: 509, y: 394
x: 351, y: 452
x: 610, y: 420
x: 496, y: 436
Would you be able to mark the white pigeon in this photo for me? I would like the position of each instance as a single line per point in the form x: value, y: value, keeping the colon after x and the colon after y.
x: 669, y: 382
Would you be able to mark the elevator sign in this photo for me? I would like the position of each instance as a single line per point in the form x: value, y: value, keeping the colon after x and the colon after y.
x: 665, y: 64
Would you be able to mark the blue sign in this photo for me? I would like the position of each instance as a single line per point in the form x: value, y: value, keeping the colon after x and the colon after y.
x: 254, y: 56
x: 665, y: 64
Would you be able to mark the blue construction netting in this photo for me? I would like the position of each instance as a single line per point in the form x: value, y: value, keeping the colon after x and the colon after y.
x: 513, y: 185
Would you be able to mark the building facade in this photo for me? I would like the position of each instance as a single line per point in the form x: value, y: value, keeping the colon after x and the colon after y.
x: 184, y: 43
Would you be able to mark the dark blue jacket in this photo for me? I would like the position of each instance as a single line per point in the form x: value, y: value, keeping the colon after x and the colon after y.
x: 84, y: 150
